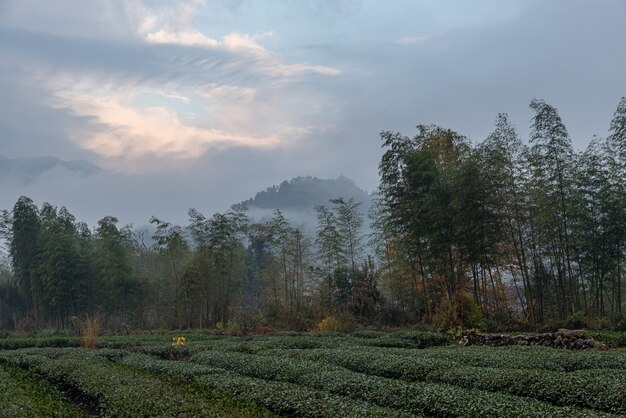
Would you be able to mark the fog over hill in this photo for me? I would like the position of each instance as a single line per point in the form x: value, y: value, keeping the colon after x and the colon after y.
x: 27, y: 170
x: 90, y: 193
x: 298, y: 197
x: 304, y: 193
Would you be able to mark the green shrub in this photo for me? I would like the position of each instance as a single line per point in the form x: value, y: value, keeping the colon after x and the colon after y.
x: 23, y: 394
x: 368, y: 373
x: 329, y: 324
x: 418, y: 398
x: 615, y: 339
x: 120, y: 390
x: 17, y: 343
x: 593, y: 388
x: 462, y: 310
x: 281, y: 397
x: 408, y: 339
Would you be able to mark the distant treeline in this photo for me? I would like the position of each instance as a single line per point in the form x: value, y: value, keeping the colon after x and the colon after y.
x: 501, y: 233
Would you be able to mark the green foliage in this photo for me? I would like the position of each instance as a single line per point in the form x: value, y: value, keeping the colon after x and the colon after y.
x: 120, y: 390
x: 22, y: 394
x: 417, y: 398
x: 461, y: 311
x: 614, y: 339
x: 331, y: 374
x: 600, y: 388
x: 281, y: 397
x: 17, y: 343
x: 408, y: 339
x: 329, y: 324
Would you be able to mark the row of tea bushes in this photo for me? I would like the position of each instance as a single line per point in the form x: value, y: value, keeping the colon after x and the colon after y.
x: 118, y: 390
x: 542, y: 358
x: 281, y: 397
x: 592, y: 388
x: 254, y: 344
x: 420, y: 398
x: 370, y: 361
x: 402, y: 339
x: 25, y: 395
x: 517, y: 357
x: 407, y: 339
x: 17, y: 343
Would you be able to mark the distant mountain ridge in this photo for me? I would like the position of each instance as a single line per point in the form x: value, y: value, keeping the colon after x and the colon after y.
x: 303, y: 193
x: 27, y: 170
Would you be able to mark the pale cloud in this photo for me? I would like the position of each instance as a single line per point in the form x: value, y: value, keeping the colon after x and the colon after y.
x: 155, y: 131
x: 172, y: 19
x: 147, y: 23
x: 411, y: 40
x: 174, y: 96
x: 221, y: 91
x: 184, y: 97
x: 175, y: 27
x: 245, y: 45
x: 238, y: 41
x: 187, y: 38
x: 294, y: 69
x: 131, y: 130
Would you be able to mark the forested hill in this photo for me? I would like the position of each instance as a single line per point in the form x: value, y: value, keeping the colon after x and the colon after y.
x: 25, y: 170
x: 304, y: 193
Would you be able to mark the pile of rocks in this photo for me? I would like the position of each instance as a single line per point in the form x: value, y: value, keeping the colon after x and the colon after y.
x: 563, y: 338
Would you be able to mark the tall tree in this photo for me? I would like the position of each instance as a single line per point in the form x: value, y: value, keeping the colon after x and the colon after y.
x: 24, y: 251
x: 503, y: 158
x: 170, y: 243
x: 552, y: 158
x: 120, y: 290
x: 617, y: 177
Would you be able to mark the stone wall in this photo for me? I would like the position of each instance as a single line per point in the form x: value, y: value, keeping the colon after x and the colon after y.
x: 563, y: 338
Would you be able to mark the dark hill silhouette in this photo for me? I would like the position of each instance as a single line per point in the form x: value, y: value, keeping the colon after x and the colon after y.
x: 304, y: 193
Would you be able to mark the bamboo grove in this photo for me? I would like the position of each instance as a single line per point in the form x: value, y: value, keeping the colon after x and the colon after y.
x: 539, y: 225
x: 503, y: 231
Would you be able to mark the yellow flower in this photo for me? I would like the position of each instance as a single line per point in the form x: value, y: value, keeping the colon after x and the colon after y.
x: 179, y: 341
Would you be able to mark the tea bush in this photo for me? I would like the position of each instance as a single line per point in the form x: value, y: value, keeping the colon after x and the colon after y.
x: 23, y: 394
x: 281, y: 397
x: 378, y: 374
x: 419, y: 398
x: 119, y: 390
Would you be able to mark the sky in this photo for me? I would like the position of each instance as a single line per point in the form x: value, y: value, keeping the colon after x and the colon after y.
x: 203, y: 103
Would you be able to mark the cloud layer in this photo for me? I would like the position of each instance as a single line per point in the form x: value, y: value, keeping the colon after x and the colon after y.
x: 201, y: 103
x: 167, y: 92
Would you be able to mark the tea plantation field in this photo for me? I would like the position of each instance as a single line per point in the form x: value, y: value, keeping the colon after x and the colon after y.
x: 399, y: 374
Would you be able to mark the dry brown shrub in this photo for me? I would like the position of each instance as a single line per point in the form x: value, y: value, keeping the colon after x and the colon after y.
x: 89, y: 331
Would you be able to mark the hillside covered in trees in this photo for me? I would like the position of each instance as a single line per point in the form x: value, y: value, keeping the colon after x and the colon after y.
x: 500, y: 233
x: 297, y: 199
x: 304, y: 193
